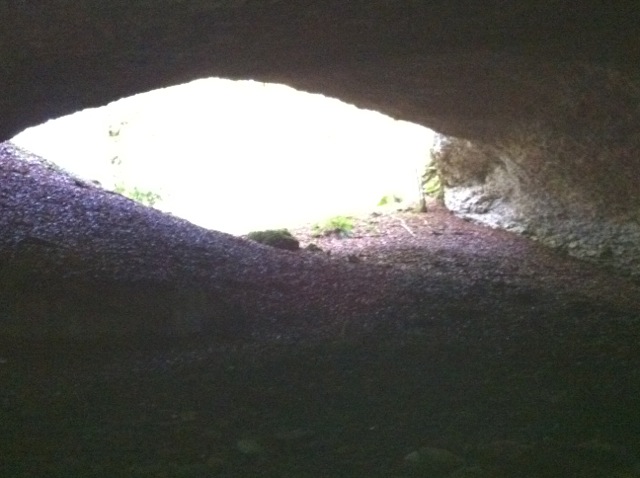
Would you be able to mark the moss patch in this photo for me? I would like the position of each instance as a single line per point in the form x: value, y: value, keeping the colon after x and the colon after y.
x: 278, y: 238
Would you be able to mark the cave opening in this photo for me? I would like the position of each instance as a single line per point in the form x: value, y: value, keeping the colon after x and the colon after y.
x: 236, y: 156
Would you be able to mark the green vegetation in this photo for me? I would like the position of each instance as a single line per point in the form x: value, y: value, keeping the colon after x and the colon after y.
x: 148, y: 198
x: 143, y: 196
x: 432, y: 182
x: 389, y: 199
x: 341, y: 226
x: 278, y: 238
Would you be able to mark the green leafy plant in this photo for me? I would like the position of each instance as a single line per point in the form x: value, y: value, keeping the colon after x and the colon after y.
x: 389, y: 199
x: 119, y: 168
x: 148, y: 198
x: 341, y: 226
x: 432, y: 182
x: 278, y: 238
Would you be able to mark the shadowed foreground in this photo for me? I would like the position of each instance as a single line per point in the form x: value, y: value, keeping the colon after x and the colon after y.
x: 422, y: 346
x: 544, y: 393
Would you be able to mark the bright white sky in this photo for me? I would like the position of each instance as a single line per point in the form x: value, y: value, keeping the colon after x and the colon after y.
x: 240, y: 155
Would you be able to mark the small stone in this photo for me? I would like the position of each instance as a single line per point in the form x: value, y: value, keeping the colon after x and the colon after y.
x: 434, y: 460
x: 278, y: 238
x: 313, y: 248
x: 413, y: 457
x: 249, y: 446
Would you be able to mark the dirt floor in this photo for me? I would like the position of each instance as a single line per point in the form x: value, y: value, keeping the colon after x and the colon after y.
x: 494, y: 357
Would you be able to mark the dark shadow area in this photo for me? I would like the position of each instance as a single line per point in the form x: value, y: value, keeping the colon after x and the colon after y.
x: 513, y: 390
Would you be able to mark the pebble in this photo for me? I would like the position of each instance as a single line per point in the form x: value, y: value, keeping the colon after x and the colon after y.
x: 249, y: 446
x: 434, y: 460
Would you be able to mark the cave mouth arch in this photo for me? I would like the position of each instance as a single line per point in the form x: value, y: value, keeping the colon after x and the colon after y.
x: 550, y: 89
x: 236, y: 156
x: 536, y: 372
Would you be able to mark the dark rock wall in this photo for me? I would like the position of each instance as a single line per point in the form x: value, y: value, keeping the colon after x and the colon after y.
x: 569, y: 177
x: 456, y: 65
x: 551, y: 88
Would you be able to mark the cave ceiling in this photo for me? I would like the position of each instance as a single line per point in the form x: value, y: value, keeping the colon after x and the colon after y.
x: 462, y: 67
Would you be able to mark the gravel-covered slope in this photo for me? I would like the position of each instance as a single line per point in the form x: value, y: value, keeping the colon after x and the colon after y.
x: 61, y: 236
x: 83, y: 262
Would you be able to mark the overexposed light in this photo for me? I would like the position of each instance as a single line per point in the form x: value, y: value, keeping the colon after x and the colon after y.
x: 240, y: 155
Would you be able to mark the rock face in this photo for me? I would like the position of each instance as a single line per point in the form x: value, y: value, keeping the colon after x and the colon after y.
x: 549, y: 90
x: 581, y: 204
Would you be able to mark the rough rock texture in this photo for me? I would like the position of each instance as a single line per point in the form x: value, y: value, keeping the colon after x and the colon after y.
x: 459, y: 66
x: 80, y: 262
x: 590, y: 211
x: 77, y: 261
x: 552, y: 87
